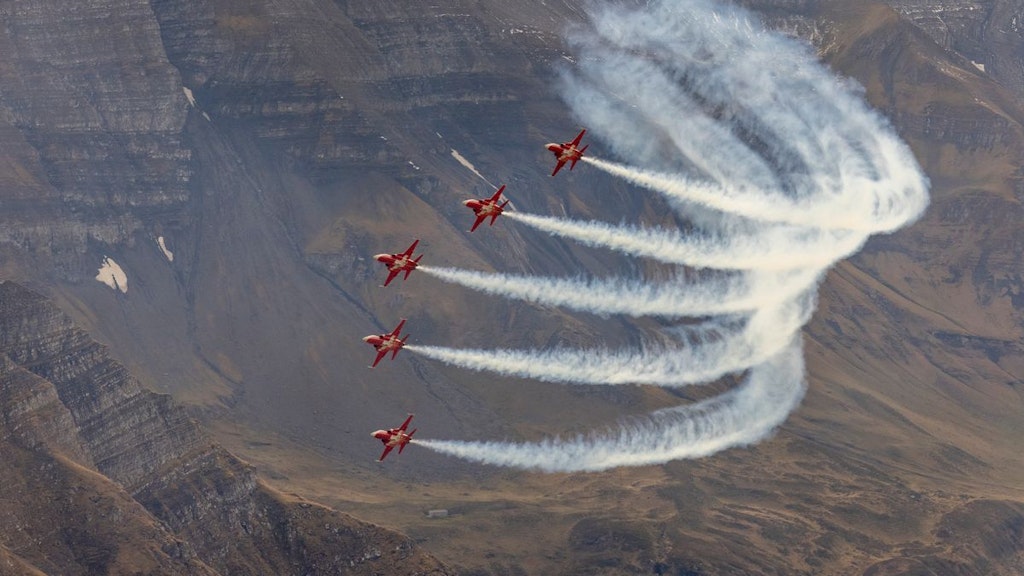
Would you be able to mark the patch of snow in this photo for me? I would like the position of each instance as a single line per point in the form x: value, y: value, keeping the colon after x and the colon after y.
x: 112, y: 275
x: 207, y: 116
x: 163, y: 248
x: 413, y: 165
x: 383, y: 138
x: 978, y: 65
x: 190, y: 96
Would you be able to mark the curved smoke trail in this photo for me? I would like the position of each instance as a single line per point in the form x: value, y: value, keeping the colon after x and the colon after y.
x: 767, y: 248
x: 680, y: 298
x: 739, y: 417
x: 761, y: 336
x: 780, y: 168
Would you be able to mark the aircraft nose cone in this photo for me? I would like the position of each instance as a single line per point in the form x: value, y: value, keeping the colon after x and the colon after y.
x: 367, y: 338
x: 468, y: 202
x: 381, y: 257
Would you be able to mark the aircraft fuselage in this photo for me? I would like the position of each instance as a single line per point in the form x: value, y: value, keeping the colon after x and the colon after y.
x: 396, y: 261
x: 483, y: 207
x: 383, y: 341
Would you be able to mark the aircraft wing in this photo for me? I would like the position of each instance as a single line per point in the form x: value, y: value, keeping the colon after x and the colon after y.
x: 391, y: 276
x: 387, y: 449
x: 579, y: 137
x: 479, y: 219
x: 498, y: 193
x: 398, y: 328
x: 406, y: 423
x: 558, y: 167
x: 408, y: 251
x: 380, y: 354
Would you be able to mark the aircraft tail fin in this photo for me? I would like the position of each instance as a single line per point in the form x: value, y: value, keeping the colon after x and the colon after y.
x: 404, y: 444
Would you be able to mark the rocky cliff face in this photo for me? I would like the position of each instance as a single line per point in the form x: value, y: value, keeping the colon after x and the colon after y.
x: 101, y: 476
x: 988, y: 33
x: 95, y: 112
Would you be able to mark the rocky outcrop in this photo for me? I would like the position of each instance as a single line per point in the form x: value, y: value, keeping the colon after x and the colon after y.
x: 98, y: 111
x: 990, y: 33
x: 102, y: 476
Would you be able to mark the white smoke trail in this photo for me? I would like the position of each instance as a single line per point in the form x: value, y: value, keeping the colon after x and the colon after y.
x: 783, y: 169
x: 769, y: 248
x: 742, y: 416
x: 865, y: 213
x: 762, y: 336
x: 677, y: 299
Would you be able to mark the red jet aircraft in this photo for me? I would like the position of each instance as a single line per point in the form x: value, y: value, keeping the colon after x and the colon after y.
x: 398, y: 263
x: 487, y: 207
x: 568, y: 152
x: 385, y: 343
x: 394, y: 437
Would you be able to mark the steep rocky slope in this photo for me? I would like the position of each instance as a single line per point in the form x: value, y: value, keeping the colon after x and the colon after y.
x: 101, y: 476
x: 988, y: 33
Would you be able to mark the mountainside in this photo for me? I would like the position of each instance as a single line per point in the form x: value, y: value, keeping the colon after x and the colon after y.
x: 241, y: 162
x: 102, y: 477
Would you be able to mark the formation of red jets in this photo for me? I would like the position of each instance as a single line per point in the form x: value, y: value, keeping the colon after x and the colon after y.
x: 483, y: 208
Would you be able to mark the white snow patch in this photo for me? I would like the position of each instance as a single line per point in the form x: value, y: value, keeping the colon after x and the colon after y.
x: 163, y: 248
x: 978, y: 65
x: 188, y: 94
x: 112, y: 275
x: 207, y: 116
x: 413, y: 165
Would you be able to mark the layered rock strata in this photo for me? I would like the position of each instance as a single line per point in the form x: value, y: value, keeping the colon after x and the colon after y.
x: 102, y: 476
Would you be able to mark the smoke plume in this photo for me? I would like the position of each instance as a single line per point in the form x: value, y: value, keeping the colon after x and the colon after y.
x: 782, y: 170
